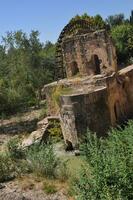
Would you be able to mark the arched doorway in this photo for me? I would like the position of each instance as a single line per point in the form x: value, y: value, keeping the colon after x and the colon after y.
x: 74, y: 68
x: 96, y: 63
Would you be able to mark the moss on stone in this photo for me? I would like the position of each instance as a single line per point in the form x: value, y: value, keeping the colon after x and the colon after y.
x: 59, y: 91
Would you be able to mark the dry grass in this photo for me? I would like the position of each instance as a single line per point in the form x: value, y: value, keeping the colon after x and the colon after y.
x: 29, y: 182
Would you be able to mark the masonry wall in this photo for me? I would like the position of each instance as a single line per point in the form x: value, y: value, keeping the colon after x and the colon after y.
x: 109, y: 102
x: 83, y: 54
x: 117, y: 101
x: 82, y: 112
x: 120, y: 96
x: 126, y: 75
x: 100, y: 109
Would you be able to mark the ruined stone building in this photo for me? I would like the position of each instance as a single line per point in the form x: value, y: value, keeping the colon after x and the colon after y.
x: 90, y: 91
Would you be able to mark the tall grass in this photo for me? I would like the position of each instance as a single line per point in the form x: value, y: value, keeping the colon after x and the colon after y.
x: 7, y: 167
x: 42, y: 160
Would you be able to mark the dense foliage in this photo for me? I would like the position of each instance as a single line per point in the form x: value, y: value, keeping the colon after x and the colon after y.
x: 7, y: 168
x: 96, y: 22
x: 39, y: 160
x: 121, y: 30
x: 14, y: 150
x: 123, y: 37
x: 25, y: 66
x: 109, y: 173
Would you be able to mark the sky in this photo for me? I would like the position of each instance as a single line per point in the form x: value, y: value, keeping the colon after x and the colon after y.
x: 50, y: 16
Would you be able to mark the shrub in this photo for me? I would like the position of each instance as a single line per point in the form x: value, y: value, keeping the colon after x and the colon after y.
x: 54, y: 130
x: 49, y: 188
x: 43, y: 113
x: 7, y: 168
x: 14, y: 148
x: 42, y: 160
x: 110, y: 168
x: 59, y: 91
x: 63, y: 172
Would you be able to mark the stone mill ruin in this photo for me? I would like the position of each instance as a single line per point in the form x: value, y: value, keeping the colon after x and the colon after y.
x: 90, y: 91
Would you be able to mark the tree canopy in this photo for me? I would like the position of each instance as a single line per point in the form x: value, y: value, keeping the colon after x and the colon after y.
x: 97, y: 21
x: 25, y: 66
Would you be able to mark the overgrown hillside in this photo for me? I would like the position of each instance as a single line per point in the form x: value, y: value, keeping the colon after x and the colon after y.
x: 26, y: 64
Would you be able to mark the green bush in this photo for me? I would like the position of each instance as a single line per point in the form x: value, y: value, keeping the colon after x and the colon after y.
x: 110, y: 172
x: 54, y: 131
x: 7, y: 168
x: 49, y: 188
x: 63, y: 172
x: 14, y: 148
x: 57, y: 93
x: 42, y: 160
x: 43, y: 113
x: 122, y: 36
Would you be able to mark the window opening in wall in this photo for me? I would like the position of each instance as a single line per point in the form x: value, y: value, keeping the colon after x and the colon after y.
x: 74, y: 68
x: 96, y: 63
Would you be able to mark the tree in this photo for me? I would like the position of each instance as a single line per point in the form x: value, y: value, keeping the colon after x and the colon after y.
x: 99, y: 22
x: 123, y: 37
x: 131, y: 17
x: 96, y: 22
x: 114, y: 20
x: 25, y: 66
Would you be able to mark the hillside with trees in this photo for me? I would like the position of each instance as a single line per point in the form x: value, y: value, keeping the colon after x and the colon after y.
x: 102, y: 168
x: 26, y: 64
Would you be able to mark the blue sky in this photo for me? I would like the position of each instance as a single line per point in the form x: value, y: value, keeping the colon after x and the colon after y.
x: 50, y: 16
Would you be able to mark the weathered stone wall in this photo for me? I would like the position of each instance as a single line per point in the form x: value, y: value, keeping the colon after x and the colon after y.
x: 117, y: 101
x: 95, y: 103
x: 49, y: 90
x: 120, y: 95
x: 99, y: 109
x: 126, y: 75
x: 85, y: 111
x: 89, y: 54
x: 68, y: 123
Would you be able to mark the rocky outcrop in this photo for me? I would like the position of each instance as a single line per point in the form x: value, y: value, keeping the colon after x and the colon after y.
x: 41, y: 134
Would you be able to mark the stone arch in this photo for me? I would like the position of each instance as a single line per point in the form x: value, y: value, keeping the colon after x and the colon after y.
x: 103, y: 58
x: 96, y: 62
x: 69, y: 146
x: 74, y: 68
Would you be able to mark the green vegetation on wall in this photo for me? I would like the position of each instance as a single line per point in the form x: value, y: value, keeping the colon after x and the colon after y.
x: 58, y: 91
